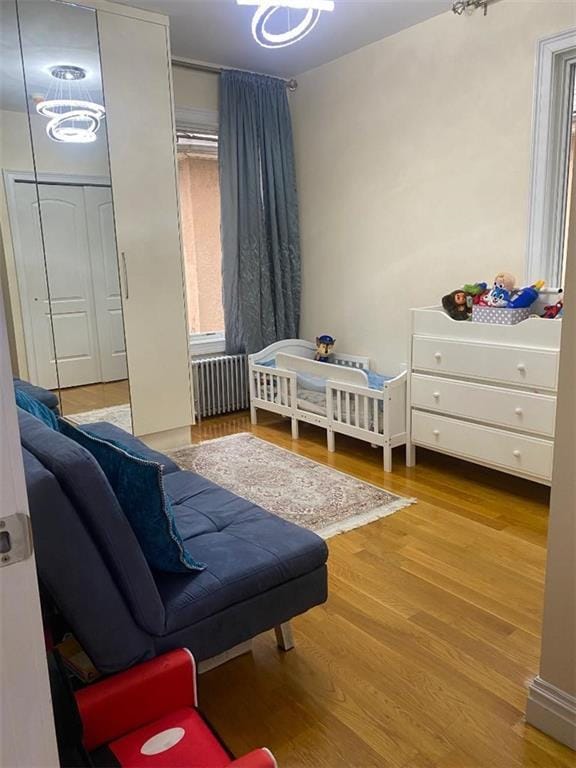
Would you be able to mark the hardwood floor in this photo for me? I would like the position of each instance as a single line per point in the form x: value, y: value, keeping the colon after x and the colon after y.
x: 93, y: 396
x: 422, y: 653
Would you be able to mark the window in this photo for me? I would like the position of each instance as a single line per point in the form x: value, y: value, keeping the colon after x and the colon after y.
x: 553, y: 158
x: 199, y: 193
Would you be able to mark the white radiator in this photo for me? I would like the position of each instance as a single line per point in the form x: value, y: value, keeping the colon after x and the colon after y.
x: 220, y: 384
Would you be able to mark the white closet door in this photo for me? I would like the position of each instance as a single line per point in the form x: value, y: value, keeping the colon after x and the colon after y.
x: 107, y: 299
x: 70, y: 280
x: 136, y: 74
x: 29, y: 253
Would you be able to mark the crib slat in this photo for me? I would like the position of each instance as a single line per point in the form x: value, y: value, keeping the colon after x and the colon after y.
x: 376, y: 426
x: 366, y: 413
x: 339, y: 405
x: 357, y: 413
x: 347, y: 413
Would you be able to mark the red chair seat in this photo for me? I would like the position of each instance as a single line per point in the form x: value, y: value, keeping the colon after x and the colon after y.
x: 196, y: 748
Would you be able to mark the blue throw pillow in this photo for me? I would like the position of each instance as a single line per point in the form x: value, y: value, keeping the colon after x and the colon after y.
x: 139, y: 488
x: 36, y: 408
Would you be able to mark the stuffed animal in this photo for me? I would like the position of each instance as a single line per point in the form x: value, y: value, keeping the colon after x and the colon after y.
x: 525, y: 297
x: 324, y: 347
x: 456, y: 305
x: 553, y: 310
x: 505, y: 280
x: 502, y: 290
x: 476, y: 292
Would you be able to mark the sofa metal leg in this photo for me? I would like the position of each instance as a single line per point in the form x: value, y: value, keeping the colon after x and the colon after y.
x: 284, y: 636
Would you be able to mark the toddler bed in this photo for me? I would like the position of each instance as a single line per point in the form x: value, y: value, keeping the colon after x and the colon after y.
x: 343, y: 396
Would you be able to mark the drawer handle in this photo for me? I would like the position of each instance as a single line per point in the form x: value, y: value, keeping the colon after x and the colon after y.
x: 518, y: 411
x: 521, y: 367
x: 436, y: 432
x: 436, y: 395
x: 438, y: 356
x: 517, y: 454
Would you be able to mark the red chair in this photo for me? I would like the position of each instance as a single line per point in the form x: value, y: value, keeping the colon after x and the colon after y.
x: 148, y: 717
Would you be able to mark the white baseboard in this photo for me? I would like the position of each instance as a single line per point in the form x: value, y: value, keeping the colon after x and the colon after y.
x: 553, y: 711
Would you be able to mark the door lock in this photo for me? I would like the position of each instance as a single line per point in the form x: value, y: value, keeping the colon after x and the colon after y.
x: 15, y: 539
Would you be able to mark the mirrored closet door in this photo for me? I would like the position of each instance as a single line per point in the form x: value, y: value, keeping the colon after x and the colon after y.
x: 62, y: 219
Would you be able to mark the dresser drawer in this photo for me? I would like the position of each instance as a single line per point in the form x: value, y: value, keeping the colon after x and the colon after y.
x: 520, y: 366
x: 505, y: 450
x: 494, y: 405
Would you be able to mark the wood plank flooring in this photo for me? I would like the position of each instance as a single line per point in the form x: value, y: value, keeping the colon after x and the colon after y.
x: 421, y: 656
x: 93, y: 396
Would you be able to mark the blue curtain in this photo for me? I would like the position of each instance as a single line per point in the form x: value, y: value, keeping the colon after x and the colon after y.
x: 260, y: 231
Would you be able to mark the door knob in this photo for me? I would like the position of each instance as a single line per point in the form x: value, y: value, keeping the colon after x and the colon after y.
x: 436, y: 432
x: 436, y: 395
x: 517, y: 454
x: 521, y: 367
x: 438, y: 356
x: 518, y: 411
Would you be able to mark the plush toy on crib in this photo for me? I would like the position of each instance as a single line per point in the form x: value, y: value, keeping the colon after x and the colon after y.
x: 324, y: 347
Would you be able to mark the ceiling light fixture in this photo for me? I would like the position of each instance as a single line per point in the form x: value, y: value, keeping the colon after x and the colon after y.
x: 70, y: 120
x: 266, y: 9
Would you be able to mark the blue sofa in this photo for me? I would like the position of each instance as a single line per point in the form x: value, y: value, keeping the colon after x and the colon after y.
x: 261, y: 570
x: 48, y: 398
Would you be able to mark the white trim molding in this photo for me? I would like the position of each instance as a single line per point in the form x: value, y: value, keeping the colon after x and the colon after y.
x: 550, y: 141
x: 201, y: 344
x: 552, y: 710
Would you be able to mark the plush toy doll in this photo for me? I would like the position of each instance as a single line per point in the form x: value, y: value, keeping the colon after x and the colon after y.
x: 502, y: 290
x: 525, y: 297
x: 324, y: 347
x: 476, y: 292
x: 456, y: 305
x: 553, y: 310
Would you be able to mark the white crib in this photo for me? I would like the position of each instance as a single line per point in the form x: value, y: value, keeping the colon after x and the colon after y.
x: 345, y: 405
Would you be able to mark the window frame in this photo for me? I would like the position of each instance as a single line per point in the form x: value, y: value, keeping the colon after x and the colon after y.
x: 553, y: 94
x: 202, y: 120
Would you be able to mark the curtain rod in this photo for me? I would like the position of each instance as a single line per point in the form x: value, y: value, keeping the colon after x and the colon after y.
x: 291, y: 83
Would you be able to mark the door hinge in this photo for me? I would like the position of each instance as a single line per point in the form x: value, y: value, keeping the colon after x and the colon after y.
x: 15, y: 539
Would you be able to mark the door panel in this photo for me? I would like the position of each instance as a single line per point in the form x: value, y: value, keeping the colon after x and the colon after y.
x: 70, y: 283
x: 107, y: 299
x: 33, y: 288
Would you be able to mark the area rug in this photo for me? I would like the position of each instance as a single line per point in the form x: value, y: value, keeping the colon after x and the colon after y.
x: 295, y: 488
x: 120, y: 415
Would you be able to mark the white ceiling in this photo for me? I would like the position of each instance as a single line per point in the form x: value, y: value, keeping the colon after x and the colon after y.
x: 218, y: 31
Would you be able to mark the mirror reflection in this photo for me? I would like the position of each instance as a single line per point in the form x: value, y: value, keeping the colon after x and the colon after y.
x: 62, y: 220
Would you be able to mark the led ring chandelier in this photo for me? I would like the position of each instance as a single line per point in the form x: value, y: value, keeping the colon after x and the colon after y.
x: 266, y: 9
x: 70, y: 120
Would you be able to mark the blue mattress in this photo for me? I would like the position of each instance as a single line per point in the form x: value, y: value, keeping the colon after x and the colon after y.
x: 318, y: 383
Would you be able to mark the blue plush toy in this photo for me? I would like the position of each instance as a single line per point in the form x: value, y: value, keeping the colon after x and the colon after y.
x: 324, y: 346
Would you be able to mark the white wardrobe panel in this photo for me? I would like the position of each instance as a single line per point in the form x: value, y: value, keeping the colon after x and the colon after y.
x: 136, y: 74
x: 106, y: 283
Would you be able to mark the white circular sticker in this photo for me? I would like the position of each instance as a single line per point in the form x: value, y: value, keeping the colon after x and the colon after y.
x: 163, y: 741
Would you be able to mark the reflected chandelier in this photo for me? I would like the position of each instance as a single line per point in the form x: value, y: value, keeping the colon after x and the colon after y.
x: 266, y: 9
x: 70, y: 120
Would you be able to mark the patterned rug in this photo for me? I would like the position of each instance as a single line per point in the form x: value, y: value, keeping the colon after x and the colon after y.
x: 120, y: 415
x: 291, y: 486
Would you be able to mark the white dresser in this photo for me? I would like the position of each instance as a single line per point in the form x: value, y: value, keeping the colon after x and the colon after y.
x: 484, y: 393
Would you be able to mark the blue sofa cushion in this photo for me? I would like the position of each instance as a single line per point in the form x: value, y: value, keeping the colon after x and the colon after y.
x: 49, y: 399
x: 138, y: 485
x: 247, y: 550
x: 99, y: 617
x: 86, y: 486
x: 36, y: 408
x: 118, y: 436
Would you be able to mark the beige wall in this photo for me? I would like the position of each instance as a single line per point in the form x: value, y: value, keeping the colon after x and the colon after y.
x: 413, y: 161
x: 196, y: 90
